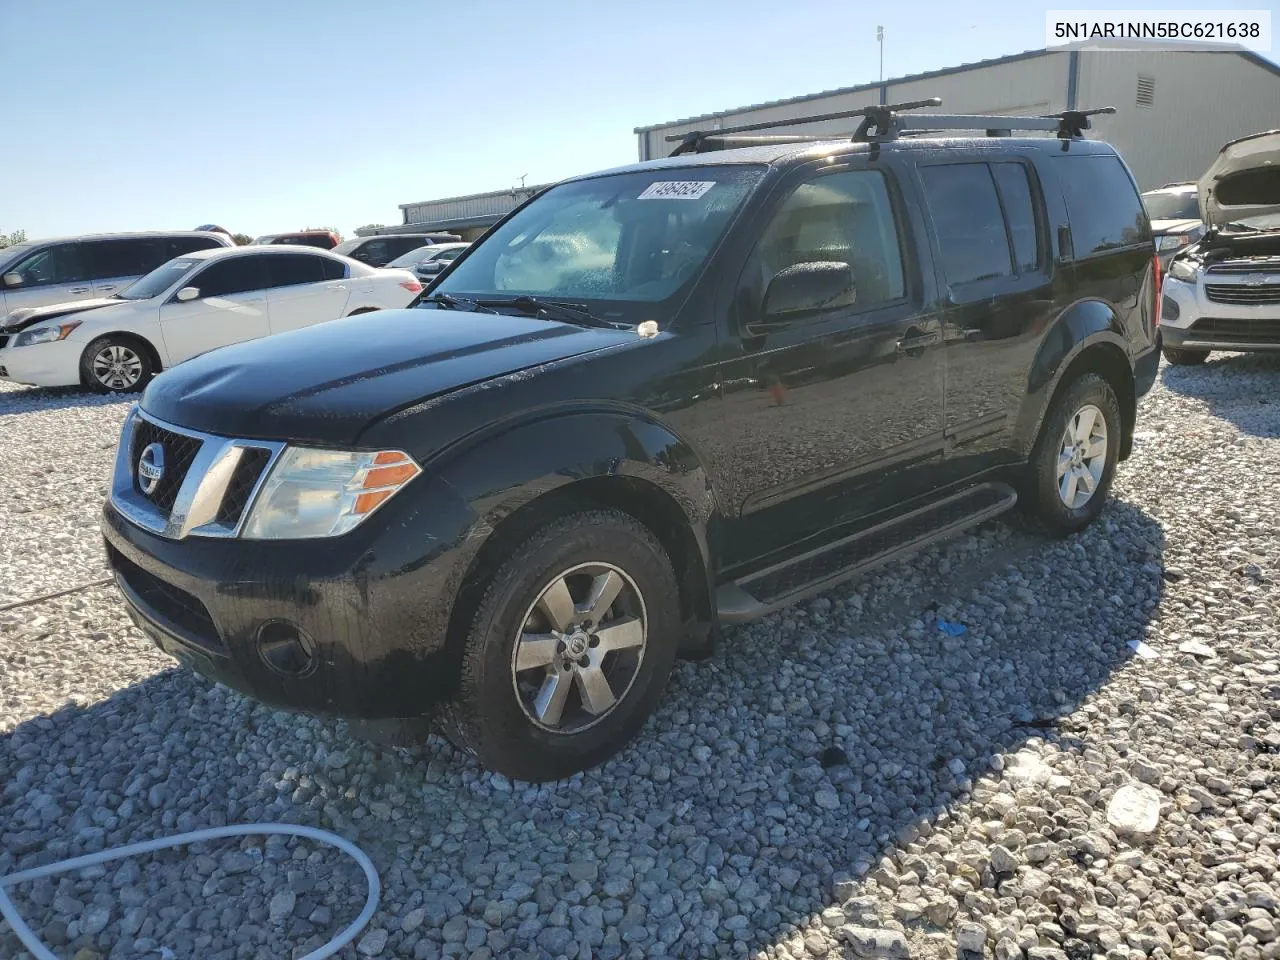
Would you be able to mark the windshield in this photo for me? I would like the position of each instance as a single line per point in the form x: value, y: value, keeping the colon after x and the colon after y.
x: 1171, y: 205
x: 416, y: 255
x: 612, y: 242
x: 158, y: 280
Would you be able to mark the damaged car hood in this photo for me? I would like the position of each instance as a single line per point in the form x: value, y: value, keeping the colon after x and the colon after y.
x: 25, y: 317
x: 1244, y: 180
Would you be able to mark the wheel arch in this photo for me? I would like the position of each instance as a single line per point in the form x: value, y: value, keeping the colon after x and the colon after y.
x: 153, y: 353
x: 1088, y: 338
x: 634, y: 466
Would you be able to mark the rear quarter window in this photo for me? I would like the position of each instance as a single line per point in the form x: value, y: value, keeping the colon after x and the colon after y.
x: 1103, y: 205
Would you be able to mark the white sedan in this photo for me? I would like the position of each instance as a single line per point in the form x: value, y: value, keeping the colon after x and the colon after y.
x: 188, y: 306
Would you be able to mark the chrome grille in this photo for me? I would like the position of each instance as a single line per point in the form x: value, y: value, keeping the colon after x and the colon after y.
x: 1243, y: 293
x: 207, y: 485
x: 1256, y: 265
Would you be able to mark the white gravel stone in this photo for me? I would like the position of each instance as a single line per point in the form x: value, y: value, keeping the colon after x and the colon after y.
x: 1134, y: 810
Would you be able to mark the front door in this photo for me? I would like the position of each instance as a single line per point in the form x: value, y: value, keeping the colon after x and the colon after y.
x: 52, y: 274
x: 231, y: 308
x: 838, y: 414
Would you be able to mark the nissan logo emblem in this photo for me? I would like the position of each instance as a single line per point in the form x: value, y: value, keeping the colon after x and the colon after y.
x: 151, y: 468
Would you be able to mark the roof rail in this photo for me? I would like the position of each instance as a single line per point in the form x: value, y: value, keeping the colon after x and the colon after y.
x: 882, y: 122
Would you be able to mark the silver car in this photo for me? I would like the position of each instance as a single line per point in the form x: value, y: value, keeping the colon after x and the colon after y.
x: 40, y: 272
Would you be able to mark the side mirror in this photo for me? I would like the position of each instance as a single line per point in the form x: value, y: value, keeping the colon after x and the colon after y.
x: 806, y: 288
x: 13, y: 279
x: 188, y: 293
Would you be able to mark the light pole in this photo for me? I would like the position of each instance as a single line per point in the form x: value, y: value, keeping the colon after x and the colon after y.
x: 880, y: 40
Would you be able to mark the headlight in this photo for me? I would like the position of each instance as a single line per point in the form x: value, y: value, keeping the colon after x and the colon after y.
x: 1183, y: 270
x: 1172, y: 242
x: 46, y: 334
x: 325, y: 493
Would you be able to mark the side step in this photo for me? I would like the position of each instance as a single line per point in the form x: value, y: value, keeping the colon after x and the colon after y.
x: 772, y: 588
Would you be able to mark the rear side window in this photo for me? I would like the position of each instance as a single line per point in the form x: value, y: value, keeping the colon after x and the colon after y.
x: 181, y: 246
x: 289, y: 269
x: 965, y: 209
x: 375, y: 252
x: 1013, y: 180
x: 333, y: 269
x: 234, y: 275
x: 1102, y: 204
x: 122, y: 258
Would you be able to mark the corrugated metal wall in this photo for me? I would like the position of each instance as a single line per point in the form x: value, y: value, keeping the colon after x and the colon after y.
x: 466, y: 208
x: 1201, y: 100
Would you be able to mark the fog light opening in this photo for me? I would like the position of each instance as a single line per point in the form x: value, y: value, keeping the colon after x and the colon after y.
x: 286, y: 649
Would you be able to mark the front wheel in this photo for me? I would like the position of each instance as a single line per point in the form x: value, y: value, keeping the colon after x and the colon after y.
x: 1182, y: 357
x: 1074, y: 459
x: 116, y: 364
x: 569, y: 650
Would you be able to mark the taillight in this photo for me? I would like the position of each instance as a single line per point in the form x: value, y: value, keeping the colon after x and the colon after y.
x: 413, y: 286
x: 1155, y: 263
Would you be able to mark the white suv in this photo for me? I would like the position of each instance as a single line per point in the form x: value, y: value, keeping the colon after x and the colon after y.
x: 1223, y: 293
x: 64, y: 269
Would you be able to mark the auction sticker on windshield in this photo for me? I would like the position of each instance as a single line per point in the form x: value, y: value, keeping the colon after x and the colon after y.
x: 676, y: 189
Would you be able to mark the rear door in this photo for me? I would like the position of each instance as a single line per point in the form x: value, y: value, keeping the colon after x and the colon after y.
x: 993, y: 265
x: 304, y: 289
x: 231, y: 308
x: 53, y: 274
x: 114, y: 264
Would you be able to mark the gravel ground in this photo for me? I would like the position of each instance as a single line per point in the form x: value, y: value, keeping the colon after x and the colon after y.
x: 842, y: 779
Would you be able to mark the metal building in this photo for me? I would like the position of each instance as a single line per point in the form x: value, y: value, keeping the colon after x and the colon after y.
x: 1174, y: 108
x: 467, y: 216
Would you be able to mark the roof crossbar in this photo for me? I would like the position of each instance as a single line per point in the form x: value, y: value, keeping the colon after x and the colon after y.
x: 882, y: 122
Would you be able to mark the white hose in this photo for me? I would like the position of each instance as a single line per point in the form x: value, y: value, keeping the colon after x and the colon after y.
x: 41, y: 952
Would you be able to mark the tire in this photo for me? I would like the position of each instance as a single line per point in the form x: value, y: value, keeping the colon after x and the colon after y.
x: 497, y: 714
x: 1181, y: 357
x: 1043, y: 506
x: 116, y: 363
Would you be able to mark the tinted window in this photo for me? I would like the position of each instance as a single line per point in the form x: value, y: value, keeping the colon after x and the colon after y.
x: 966, y: 217
x: 403, y: 245
x: 844, y: 217
x: 1102, y: 204
x: 1172, y: 205
x: 52, y: 265
x: 122, y: 258
x: 447, y: 255
x: 333, y: 269
x: 234, y: 275
x: 180, y: 246
x: 375, y: 252
x: 288, y: 269
x: 1019, y: 213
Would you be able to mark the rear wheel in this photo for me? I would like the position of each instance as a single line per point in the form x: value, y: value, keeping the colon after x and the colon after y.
x: 116, y: 364
x: 569, y: 650
x: 1074, y: 459
x: 1182, y: 357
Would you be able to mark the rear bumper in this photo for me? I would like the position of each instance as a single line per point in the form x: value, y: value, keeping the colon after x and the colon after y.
x: 1145, y: 368
x: 370, y: 621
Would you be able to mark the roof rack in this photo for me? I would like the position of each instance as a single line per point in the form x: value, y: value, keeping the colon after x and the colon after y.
x: 883, y: 122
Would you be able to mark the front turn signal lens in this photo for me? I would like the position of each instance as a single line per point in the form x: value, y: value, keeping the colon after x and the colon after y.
x: 325, y: 493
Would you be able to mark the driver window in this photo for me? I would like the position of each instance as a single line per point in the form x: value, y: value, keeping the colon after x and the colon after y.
x: 842, y: 217
x: 50, y: 266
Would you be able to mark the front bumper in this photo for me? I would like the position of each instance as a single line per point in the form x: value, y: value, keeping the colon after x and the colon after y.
x: 1191, y: 320
x: 371, y: 608
x: 42, y: 365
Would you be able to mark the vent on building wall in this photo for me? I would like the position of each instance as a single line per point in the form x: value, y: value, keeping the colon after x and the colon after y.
x: 1146, y: 91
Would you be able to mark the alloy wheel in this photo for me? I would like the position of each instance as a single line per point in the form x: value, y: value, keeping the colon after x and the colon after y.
x: 117, y: 367
x: 1082, y: 457
x: 580, y: 647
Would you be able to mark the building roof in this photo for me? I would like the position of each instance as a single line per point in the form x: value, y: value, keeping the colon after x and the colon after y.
x: 1091, y: 45
x: 513, y: 192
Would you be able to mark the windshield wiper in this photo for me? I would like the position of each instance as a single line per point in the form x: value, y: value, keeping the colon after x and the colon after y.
x: 452, y: 302
x: 558, y: 309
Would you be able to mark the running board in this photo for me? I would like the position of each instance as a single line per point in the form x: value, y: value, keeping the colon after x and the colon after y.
x: 777, y: 586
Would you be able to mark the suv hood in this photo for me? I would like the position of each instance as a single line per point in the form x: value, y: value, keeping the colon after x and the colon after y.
x: 1244, y: 180
x: 25, y: 317
x: 325, y: 384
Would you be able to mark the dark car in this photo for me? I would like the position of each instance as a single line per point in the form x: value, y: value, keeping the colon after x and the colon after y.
x: 381, y: 250
x: 651, y: 401
x: 321, y: 239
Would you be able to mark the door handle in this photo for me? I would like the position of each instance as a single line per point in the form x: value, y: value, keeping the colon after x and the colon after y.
x: 336, y: 286
x: 913, y: 346
x: 77, y: 290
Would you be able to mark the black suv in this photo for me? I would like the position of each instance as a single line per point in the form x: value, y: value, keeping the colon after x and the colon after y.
x: 650, y: 401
